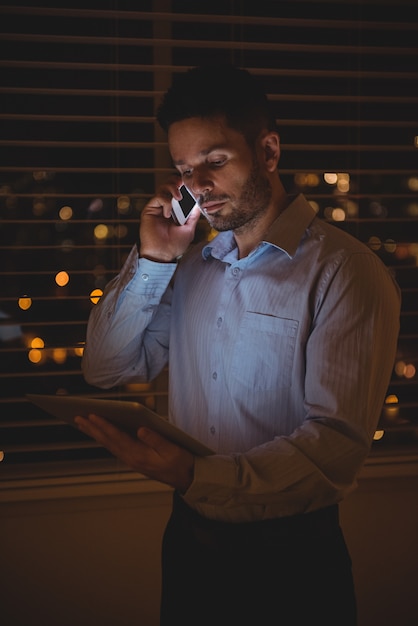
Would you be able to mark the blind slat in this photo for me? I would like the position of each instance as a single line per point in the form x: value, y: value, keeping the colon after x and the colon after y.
x: 272, y: 46
x: 279, y: 72
x: 165, y: 16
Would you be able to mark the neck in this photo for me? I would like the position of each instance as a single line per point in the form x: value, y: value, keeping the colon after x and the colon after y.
x: 249, y: 236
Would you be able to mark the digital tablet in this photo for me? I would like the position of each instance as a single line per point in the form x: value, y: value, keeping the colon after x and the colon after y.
x: 126, y: 415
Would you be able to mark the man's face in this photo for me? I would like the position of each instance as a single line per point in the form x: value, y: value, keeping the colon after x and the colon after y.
x: 223, y: 173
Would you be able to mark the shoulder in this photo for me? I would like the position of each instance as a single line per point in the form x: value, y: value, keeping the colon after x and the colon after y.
x: 335, y: 239
x: 346, y: 264
x: 331, y: 246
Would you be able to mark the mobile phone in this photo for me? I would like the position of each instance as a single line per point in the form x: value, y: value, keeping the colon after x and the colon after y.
x: 181, y: 209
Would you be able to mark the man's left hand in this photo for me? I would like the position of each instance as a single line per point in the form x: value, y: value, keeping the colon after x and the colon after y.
x: 150, y: 454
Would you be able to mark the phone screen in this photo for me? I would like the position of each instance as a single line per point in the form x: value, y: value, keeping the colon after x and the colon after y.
x: 187, y: 202
x: 182, y: 208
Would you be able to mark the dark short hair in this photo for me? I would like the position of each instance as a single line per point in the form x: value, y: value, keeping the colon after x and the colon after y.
x: 211, y: 91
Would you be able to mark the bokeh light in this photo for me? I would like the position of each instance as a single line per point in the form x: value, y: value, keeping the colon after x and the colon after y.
x: 66, y: 213
x: 35, y: 356
x: 25, y: 303
x: 62, y: 279
x: 95, y: 295
x: 59, y: 355
x: 101, y: 231
x: 37, y: 342
x: 338, y: 214
x: 378, y: 435
x: 330, y: 178
x: 124, y: 204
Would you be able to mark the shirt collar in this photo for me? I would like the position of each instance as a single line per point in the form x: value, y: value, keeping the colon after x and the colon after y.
x: 285, y: 233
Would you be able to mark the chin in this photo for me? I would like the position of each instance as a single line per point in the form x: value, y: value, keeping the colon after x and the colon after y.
x: 219, y: 225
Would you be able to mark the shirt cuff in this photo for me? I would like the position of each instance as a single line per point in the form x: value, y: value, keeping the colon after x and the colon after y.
x: 145, y: 277
x: 214, y: 477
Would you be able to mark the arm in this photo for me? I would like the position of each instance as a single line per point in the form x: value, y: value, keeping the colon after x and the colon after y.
x: 128, y: 335
x: 128, y: 330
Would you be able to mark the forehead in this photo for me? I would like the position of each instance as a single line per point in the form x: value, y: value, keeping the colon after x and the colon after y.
x: 197, y: 137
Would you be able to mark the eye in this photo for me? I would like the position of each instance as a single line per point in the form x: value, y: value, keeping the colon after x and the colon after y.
x: 217, y: 162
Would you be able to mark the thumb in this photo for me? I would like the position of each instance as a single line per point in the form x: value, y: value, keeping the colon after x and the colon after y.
x: 194, y: 216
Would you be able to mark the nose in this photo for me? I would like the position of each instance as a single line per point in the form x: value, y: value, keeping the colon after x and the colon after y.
x: 200, y: 182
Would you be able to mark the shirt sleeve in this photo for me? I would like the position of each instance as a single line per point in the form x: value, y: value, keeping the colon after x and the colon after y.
x: 128, y: 330
x: 349, y: 359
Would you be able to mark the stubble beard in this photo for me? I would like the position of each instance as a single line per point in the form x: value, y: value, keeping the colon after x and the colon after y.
x: 251, y: 205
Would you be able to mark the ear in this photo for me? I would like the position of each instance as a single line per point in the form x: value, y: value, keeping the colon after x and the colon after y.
x: 270, y: 144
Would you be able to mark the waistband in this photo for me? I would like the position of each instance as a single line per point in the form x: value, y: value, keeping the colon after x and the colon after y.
x: 320, y: 522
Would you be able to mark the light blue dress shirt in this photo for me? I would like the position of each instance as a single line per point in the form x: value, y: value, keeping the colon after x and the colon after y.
x: 278, y: 361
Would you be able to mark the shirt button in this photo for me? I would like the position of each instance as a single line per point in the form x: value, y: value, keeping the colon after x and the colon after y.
x: 235, y: 271
x: 214, y: 375
x: 219, y: 322
x: 144, y: 277
x: 212, y: 430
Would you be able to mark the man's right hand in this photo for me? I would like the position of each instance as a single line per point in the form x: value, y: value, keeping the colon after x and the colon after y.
x: 160, y: 238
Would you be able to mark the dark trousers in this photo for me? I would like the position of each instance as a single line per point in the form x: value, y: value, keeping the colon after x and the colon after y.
x: 289, y: 571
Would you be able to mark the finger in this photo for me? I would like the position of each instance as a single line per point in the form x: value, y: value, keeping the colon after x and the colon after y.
x: 194, y: 215
x: 155, y: 206
x: 159, y: 206
x: 173, y: 184
x: 152, y: 439
x: 100, y: 429
x: 126, y: 448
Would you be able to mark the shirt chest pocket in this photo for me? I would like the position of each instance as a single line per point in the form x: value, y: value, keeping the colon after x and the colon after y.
x: 263, y: 354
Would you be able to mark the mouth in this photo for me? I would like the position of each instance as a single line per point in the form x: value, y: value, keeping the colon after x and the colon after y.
x: 210, y: 208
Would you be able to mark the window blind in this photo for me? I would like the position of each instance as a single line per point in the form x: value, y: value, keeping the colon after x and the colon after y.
x: 81, y: 153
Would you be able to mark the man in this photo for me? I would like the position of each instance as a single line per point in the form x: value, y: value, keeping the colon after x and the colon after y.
x: 280, y: 335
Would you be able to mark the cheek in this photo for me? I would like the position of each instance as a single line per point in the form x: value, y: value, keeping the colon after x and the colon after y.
x: 233, y: 182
